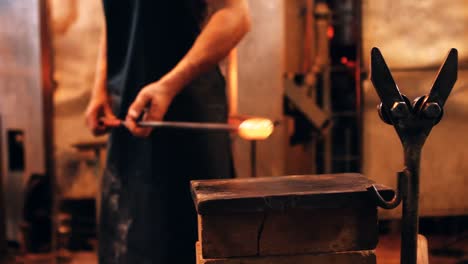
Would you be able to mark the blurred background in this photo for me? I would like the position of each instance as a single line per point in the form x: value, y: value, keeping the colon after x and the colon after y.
x: 307, y: 63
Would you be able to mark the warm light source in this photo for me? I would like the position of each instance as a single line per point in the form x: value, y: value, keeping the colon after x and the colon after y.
x: 256, y: 129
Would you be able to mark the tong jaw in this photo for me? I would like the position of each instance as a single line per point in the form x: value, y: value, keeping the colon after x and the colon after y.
x: 396, y: 107
x: 412, y: 121
x: 393, y: 104
x: 432, y: 105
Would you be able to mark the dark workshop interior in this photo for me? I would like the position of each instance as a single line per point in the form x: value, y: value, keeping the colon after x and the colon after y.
x: 341, y: 122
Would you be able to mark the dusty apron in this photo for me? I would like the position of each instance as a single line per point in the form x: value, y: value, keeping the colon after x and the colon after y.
x: 147, y: 215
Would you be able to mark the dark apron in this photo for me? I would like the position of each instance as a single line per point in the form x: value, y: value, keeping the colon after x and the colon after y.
x: 147, y: 214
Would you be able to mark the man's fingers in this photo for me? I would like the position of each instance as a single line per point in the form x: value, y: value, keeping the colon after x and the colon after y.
x: 154, y: 113
x: 99, y: 131
x: 97, y: 128
x: 110, y: 122
x: 108, y: 113
x: 140, y: 131
x: 92, y: 121
x: 100, y: 119
x: 157, y: 102
x: 136, y: 130
x: 136, y: 109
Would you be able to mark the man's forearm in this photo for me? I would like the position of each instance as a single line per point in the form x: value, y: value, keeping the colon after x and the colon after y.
x: 224, y: 30
x: 101, y: 68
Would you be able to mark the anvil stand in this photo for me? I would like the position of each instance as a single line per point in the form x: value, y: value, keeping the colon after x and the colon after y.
x: 413, y: 122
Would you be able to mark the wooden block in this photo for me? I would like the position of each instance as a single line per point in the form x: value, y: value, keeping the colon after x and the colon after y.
x: 319, y: 230
x: 230, y: 235
x: 423, y: 250
x: 291, y: 232
x: 352, y: 257
x: 285, y: 216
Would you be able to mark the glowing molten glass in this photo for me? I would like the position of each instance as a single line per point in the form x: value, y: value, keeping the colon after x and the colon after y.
x: 255, y: 129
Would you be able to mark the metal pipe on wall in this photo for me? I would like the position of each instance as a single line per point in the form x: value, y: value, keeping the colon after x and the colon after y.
x: 3, y: 245
x: 25, y: 102
x: 232, y: 78
x: 322, y: 65
x: 48, y: 107
x: 359, y: 75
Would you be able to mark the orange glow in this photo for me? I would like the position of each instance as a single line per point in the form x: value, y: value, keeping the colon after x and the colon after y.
x: 256, y: 129
x: 344, y: 60
x: 330, y: 32
x: 232, y: 81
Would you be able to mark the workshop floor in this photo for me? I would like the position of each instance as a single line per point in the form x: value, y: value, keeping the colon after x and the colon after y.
x: 387, y: 252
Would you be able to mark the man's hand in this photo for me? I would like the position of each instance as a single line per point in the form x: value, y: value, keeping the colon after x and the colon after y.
x: 99, y: 108
x: 151, y: 103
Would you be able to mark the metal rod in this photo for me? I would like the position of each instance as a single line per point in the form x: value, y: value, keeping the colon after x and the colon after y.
x: 3, y: 244
x: 250, y: 129
x: 188, y: 125
x: 253, y: 158
x: 410, y: 197
x: 172, y: 124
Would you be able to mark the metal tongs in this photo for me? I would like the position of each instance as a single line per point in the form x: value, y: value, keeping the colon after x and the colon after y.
x: 413, y: 121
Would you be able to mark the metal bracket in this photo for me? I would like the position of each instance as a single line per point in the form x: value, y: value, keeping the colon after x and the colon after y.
x: 306, y: 105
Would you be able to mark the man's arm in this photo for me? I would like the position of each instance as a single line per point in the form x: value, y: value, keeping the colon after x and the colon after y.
x: 99, y: 104
x: 101, y: 67
x: 227, y: 25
